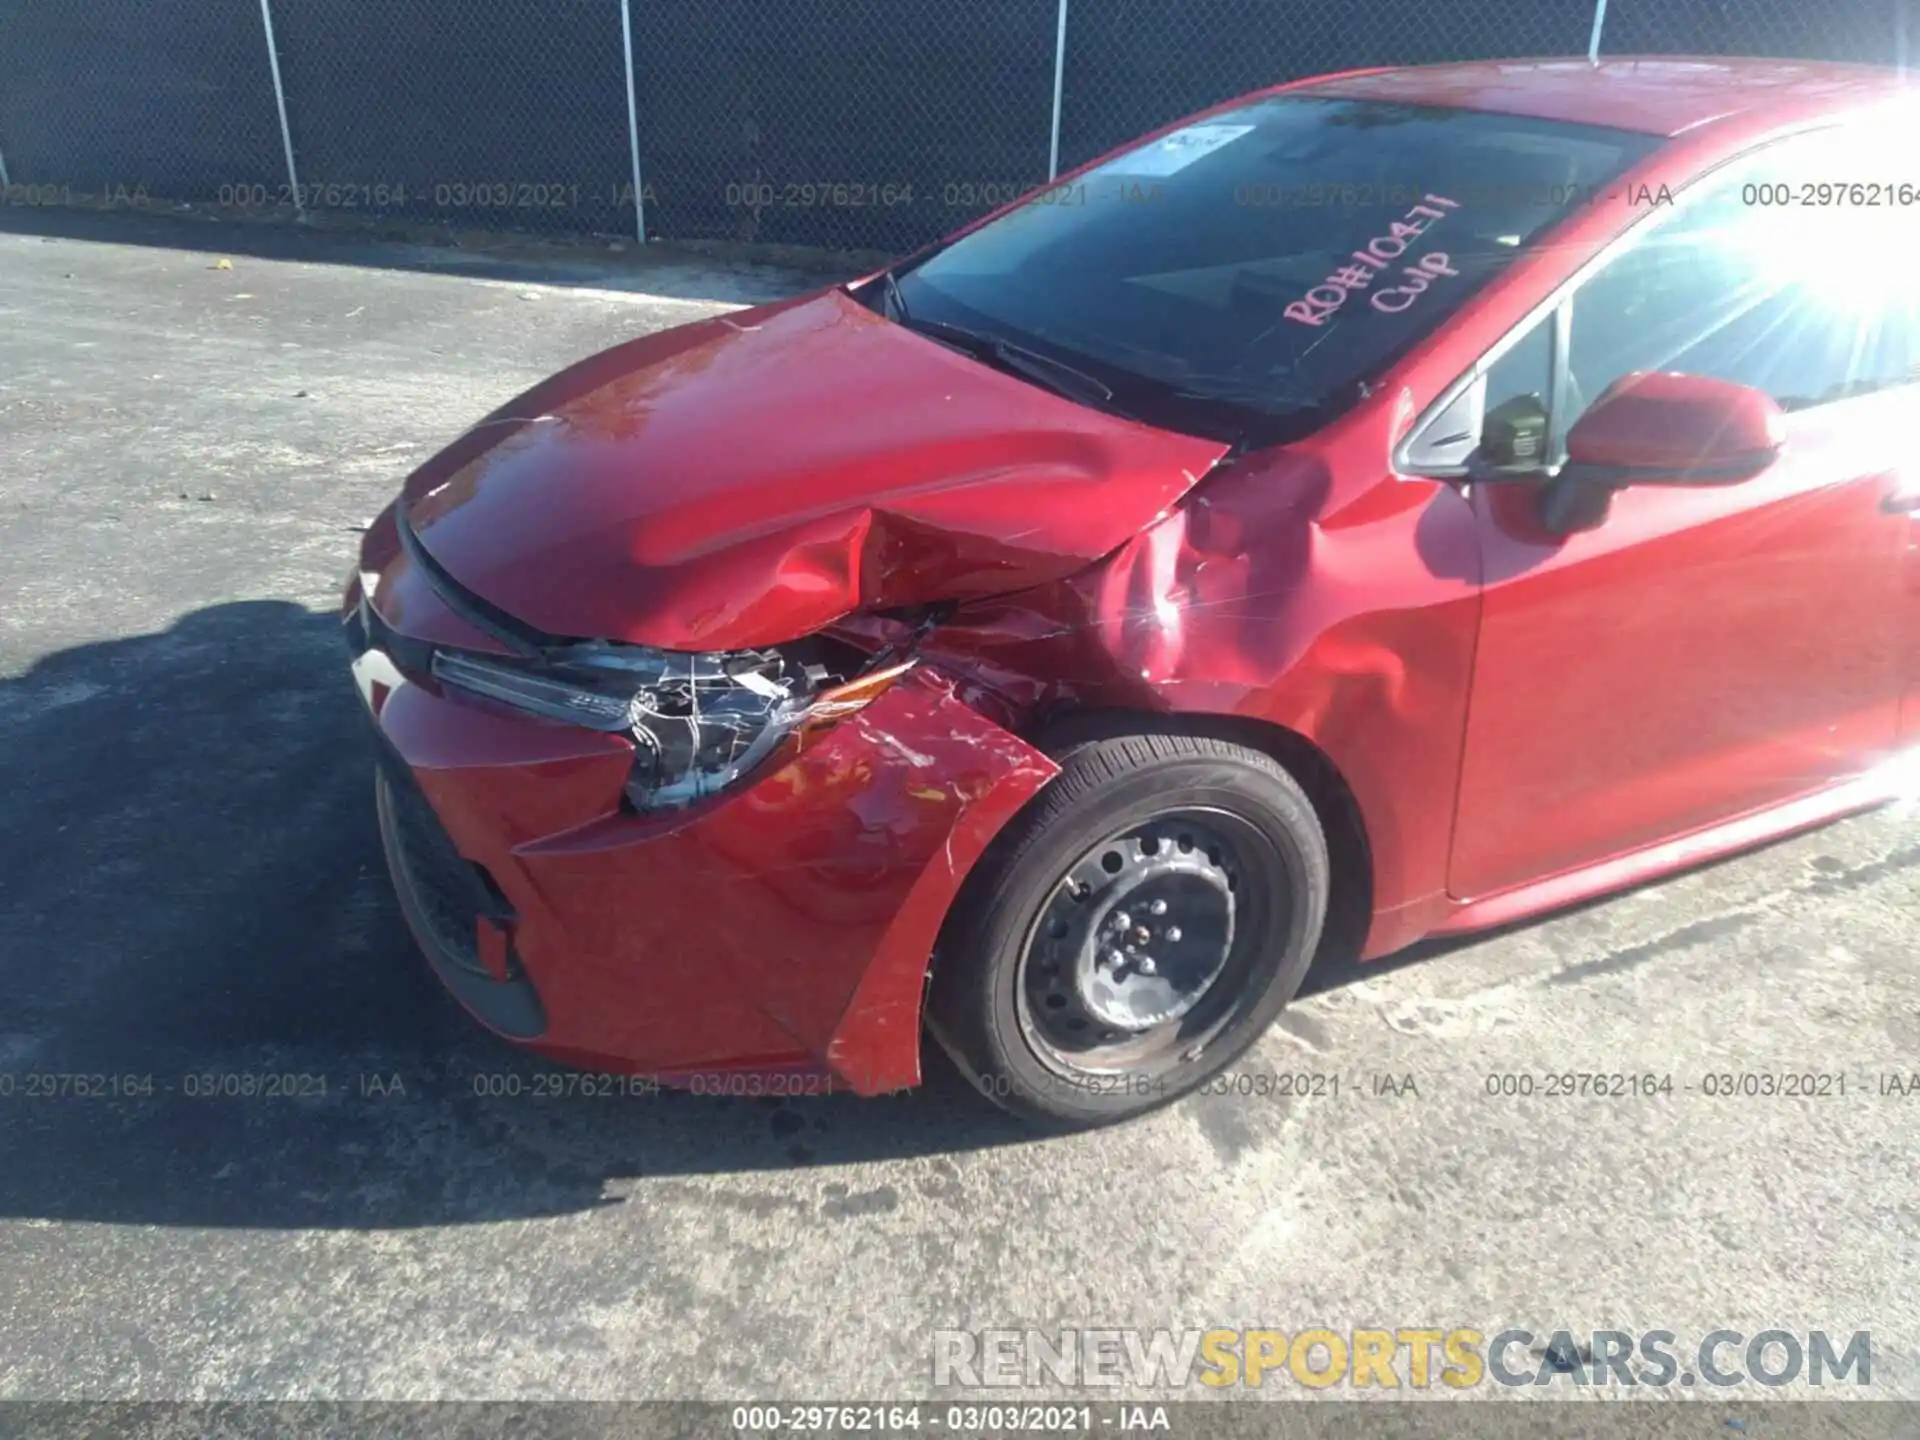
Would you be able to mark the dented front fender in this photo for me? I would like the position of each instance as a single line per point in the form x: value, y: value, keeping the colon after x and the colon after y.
x: 783, y: 929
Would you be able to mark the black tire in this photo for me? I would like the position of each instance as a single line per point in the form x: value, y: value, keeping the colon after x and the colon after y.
x: 1257, y: 875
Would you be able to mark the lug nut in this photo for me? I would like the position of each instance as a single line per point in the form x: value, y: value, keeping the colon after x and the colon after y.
x: 1115, y: 958
x: 1158, y: 907
x: 1173, y: 933
x: 1121, y: 921
x: 1146, y: 966
x: 1142, y: 936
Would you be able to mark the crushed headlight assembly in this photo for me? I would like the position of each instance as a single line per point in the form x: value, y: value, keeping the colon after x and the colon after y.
x: 699, y: 722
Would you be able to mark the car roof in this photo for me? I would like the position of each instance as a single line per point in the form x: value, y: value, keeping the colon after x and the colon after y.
x: 1654, y: 94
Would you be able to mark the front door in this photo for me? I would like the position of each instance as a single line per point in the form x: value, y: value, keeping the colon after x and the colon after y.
x: 1703, y: 651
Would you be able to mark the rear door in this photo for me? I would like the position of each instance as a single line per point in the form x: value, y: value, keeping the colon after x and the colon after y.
x: 1702, y: 652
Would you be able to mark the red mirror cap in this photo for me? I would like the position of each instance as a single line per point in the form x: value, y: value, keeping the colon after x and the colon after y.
x: 1659, y: 420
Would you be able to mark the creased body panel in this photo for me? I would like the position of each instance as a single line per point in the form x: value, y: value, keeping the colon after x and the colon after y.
x: 784, y: 929
x: 1346, y: 615
x: 749, y: 480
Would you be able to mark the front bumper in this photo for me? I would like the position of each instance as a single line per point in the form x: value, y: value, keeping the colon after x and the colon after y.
x: 780, y: 929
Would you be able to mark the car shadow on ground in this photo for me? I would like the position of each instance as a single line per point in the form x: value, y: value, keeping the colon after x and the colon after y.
x: 211, y: 1013
x: 193, y: 891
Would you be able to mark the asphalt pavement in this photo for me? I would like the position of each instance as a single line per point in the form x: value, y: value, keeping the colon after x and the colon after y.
x: 191, y: 890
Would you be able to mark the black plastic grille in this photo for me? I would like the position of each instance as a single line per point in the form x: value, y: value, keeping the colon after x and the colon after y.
x: 448, y: 896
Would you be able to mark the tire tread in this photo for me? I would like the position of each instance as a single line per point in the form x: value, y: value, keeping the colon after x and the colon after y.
x: 1092, y: 758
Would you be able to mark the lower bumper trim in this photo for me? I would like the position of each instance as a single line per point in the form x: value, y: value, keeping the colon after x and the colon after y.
x: 510, y: 1006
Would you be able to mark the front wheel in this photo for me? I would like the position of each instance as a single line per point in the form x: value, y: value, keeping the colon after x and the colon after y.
x: 1134, y: 930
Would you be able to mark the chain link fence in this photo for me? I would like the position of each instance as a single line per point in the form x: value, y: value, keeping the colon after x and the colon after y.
x: 845, y: 124
x: 840, y: 122
x: 1134, y: 64
x: 1870, y: 34
x: 508, y: 114
x: 161, y: 98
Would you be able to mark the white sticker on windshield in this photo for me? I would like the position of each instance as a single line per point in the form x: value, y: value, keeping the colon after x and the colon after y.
x: 1176, y: 151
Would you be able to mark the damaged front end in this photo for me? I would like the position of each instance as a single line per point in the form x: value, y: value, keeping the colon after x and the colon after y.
x: 723, y: 869
x: 657, y: 642
x: 699, y: 723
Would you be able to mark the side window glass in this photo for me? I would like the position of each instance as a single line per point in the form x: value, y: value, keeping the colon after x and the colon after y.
x: 1501, y: 420
x: 1750, y: 281
x: 1513, y: 435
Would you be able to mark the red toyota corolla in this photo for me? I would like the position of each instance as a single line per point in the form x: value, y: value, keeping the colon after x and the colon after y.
x: 1384, y: 506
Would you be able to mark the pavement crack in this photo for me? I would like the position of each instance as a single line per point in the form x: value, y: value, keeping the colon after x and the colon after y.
x: 1839, y: 882
x: 1715, y: 927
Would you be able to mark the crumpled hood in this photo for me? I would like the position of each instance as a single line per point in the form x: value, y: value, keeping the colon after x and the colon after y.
x: 748, y: 479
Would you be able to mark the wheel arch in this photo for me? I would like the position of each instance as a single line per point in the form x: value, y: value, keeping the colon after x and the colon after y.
x: 1350, y: 902
x: 967, y: 1014
x: 1349, y: 845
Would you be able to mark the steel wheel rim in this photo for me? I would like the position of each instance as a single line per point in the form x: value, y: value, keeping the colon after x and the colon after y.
x: 1172, y: 890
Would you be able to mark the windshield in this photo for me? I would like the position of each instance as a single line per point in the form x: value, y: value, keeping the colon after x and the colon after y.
x: 1243, y: 278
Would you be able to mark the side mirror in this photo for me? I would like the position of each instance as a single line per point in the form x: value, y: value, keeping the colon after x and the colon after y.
x: 1660, y: 428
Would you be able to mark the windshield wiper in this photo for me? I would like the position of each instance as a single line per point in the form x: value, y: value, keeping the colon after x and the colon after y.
x: 1055, y: 375
x: 891, y: 297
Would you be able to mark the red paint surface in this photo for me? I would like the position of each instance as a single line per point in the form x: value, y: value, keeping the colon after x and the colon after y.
x: 1521, y: 720
x: 749, y: 479
x: 1677, y: 422
x: 786, y: 930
